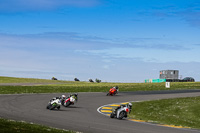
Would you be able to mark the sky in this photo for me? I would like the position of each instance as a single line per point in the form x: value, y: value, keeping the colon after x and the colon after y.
x: 111, y: 40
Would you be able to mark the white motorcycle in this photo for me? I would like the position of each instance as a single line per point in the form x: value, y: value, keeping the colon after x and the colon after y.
x: 121, y: 111
x: 54, y: 103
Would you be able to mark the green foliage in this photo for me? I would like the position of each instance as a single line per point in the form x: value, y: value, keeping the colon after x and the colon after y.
x: 53, y: 78
x: 180, y: 111
x: 90, y: 80
x: 98, y: 80
x: 76, y: 79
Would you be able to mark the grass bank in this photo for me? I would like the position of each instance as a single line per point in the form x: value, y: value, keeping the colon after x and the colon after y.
x: 4, y: 79
x: 179, y: 112
x: 8, y: 126
x: 95, y: 87
x: 72, y: 86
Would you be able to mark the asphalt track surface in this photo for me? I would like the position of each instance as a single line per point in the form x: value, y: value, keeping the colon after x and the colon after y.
x: 83, y: 116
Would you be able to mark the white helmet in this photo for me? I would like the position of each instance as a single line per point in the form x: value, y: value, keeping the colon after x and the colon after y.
x: 63, y: 96
x: 130, y: 104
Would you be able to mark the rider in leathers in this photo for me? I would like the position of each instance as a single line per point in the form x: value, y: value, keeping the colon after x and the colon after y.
x: 64, y: 98
x: 129, y: 105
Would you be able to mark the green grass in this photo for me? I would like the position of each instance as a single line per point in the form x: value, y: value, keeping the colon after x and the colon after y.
x: 7, y: 126
x: 72, y: 86
x: 94, y: 87
x: 179, y: 112
x: 28, y: 80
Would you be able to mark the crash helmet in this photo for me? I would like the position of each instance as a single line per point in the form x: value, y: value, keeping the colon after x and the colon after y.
x: 116, y: 87
x: 63, y: 96
x: 130, y: 105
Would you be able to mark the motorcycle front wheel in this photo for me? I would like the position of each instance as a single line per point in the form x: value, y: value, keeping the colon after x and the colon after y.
x: 112, y: 115
x: 52, y: 107
x: 48, y: 106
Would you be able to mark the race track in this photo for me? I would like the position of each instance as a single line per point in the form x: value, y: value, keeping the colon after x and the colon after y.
x: 84, y: 116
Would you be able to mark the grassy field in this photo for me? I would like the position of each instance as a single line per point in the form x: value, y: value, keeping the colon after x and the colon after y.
x: 28, y: 80
x: 8, y: 126
x: 72, y: 86
x: 179, y: 112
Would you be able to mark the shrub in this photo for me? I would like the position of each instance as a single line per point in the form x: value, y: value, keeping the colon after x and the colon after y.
x: 98, y: 80
x: 76, y: 79
x: 53, y: 78
x: 90, y: 80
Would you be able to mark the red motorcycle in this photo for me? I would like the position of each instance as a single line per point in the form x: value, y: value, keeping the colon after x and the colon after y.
x: 113, y: 91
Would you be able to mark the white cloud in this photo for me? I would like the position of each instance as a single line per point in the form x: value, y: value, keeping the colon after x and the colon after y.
x: 47, y: 56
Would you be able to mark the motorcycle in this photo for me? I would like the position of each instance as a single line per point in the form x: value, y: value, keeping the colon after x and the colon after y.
x: 113, y: 91
x: 54, y: 103
x: 70, y: 100
x: 121, y: 111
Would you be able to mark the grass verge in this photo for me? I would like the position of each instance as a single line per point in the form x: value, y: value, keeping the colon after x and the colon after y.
x: 8, y: 126
x: 179, y: 112
x: 95, y: 87
x: 72, y: 86
x: 4, y: 79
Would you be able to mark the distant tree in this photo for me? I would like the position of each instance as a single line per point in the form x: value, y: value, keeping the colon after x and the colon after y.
x: 76, y: 79
x: 90, y: 80
x: 98, y: 80
x: 53, y: 78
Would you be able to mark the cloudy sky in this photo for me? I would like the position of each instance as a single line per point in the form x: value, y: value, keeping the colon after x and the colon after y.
x: 112, y: 40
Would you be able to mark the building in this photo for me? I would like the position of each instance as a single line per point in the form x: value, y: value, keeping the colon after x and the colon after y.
x: 166, y: 76
x: 169, y: 74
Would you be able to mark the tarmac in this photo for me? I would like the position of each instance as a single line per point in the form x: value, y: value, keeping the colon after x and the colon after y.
x: 84, y: 115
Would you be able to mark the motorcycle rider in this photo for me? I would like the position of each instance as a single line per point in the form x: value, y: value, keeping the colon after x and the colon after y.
x: 62, y: 99
x: 129, y: 105
x: 75, y: 95
x: 116, y: 87
x: 113, y: 91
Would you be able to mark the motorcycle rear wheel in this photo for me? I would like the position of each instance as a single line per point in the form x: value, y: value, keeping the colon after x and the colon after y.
x: 121, y: 115
x: 67, y: 104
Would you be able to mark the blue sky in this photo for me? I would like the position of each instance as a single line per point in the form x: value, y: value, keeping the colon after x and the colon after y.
x: 112, y: 40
